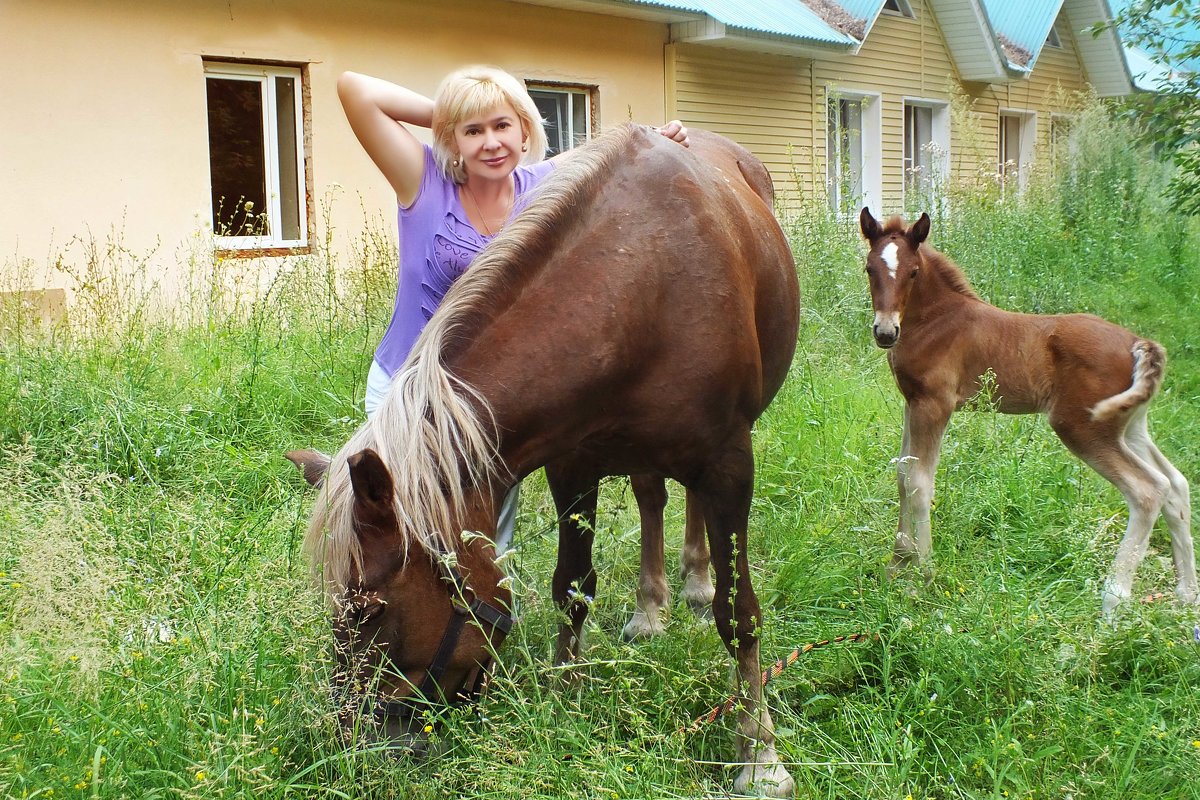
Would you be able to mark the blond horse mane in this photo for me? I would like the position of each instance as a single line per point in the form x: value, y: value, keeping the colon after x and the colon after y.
x: 435, y: 433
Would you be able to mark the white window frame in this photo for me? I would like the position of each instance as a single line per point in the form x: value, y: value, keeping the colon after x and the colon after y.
x: 573, y: 94
x: 1052, y: 38
x: 872, y: 149
x: 903, y: 9
x: 1028, y: 138
x: 264, y: 75
x: 940, y: 133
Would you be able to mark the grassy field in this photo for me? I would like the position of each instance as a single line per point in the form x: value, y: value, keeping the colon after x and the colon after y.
x: 159, y: 637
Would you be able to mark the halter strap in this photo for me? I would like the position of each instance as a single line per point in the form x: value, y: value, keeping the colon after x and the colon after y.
x: 466, y: 605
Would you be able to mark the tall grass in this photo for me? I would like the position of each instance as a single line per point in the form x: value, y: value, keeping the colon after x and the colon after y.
x: 158, y: 637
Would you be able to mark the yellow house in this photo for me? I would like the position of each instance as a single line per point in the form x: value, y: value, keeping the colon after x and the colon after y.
x: 164, y: 133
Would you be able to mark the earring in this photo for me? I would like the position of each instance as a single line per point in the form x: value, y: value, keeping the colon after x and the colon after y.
x: 456, y: 163
x: 524, y: 147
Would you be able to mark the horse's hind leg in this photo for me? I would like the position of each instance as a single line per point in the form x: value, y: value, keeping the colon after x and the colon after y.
x: 697, y: 588
x: 1103, y: 447
x: 653, y: 594
x: 574, y: 582
x: 1177, y: 507
x: 725, y: 489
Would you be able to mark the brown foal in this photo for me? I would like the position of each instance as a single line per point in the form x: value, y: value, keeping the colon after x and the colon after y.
x: 1092, y: 378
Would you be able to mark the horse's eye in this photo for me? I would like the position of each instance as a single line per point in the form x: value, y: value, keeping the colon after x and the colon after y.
x: 357, y: 615
x: 913, y: 274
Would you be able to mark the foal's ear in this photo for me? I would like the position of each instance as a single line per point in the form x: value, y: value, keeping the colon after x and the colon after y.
x: 312, y: 463
x: 372, y: 484
x: 871, y: 229
x: 918, y: 231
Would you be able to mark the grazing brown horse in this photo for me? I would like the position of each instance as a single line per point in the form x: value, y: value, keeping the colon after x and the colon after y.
x: 635, y: 320
x: 1092, y: 378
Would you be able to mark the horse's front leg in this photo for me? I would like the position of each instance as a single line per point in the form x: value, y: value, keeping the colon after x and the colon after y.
x: 725, y: 490
x: 574, y: 583
x: 697, y: 588
x: 924, y: 424
x: 653, y: 594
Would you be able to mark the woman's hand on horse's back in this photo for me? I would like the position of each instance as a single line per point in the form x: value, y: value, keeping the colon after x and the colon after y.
x: 675, y: 131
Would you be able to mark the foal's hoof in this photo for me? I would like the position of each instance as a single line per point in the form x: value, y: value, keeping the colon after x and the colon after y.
x: 764, y: 780
x: 1187, y: 596
x: 901, y: 566
x: 643, y: 626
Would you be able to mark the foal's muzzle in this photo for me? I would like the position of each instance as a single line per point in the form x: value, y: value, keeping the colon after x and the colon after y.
x: 886, y: 337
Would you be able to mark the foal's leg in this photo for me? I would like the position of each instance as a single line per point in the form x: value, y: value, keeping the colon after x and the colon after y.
x: 653, y: 595
x: 693, y: 560
x: 1102, y: 446
x: 725, y: 489
x: 1177, y: 506
x: 574, y: 582
x: 924, y: 424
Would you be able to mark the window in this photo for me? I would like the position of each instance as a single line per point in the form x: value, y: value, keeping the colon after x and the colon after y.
x: 852, y: 152
x: 567, y: 111
x: 1052, y: 39
x: 901, y: 7
x: 926, y: 145
x: 1015, y: 145
x: 256, y: 156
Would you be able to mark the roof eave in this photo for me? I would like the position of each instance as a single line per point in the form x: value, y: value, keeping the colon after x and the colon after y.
x: 718, y: 34
x: 629, y: 9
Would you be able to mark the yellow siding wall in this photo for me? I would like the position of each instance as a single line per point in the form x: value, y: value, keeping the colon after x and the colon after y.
x: 762, y: 102
x: 1057, y: 77
x: 775, y: 105
x: 901, y: 58
x: 113, y: 133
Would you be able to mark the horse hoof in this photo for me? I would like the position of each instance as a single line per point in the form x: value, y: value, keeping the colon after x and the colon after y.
x: 1188, y: 597
x: 764, y: 780
x: 901, y: 566
x: 698, y: 595
x: 642, y: 626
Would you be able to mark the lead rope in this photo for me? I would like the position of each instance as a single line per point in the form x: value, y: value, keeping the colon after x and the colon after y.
x: 771, y: 673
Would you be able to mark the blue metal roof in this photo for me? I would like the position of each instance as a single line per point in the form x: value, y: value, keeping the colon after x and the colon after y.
x: 679, y: 5
x: 790, y: 18
x: 862, y: 9
x: 1025, y: 24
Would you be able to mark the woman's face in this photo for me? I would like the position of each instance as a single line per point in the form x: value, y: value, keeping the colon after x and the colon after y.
x: 490, y: 144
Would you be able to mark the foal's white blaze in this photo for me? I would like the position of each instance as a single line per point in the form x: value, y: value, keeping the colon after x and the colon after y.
x: 889, y: 257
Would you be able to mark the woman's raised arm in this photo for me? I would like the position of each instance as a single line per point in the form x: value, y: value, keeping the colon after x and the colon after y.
x: 378, y: 112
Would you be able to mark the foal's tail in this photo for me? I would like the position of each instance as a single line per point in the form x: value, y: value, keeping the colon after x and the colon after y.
x: 1149, y: 362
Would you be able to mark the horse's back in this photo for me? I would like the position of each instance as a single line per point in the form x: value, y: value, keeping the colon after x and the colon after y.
x: 739, y: 256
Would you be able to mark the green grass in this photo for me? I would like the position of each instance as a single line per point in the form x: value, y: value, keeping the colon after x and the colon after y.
x: 159, y: 637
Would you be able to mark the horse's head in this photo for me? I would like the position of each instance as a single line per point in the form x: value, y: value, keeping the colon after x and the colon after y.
x: 413, y: 629
x: 893, y: 264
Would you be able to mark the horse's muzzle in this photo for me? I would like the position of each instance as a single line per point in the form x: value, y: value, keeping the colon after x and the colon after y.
x: 886, y: 338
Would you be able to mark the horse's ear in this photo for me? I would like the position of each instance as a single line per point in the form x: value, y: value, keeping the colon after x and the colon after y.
x: 869, y: 225
x: 373, y: 488
x: 312, y: 463
x: 918, y: 231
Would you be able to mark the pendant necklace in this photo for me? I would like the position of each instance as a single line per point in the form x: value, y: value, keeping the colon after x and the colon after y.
x: 479, y: 211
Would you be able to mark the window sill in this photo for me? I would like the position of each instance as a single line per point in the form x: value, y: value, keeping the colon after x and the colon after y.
x: 262, y: 252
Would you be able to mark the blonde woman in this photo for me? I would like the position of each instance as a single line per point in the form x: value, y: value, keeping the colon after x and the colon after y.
x: 453, y: 197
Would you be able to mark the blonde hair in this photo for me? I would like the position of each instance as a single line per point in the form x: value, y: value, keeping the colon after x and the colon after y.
x: 475, y: 90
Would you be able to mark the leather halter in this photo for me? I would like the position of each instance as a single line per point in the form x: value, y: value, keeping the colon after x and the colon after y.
x: 466, y: 605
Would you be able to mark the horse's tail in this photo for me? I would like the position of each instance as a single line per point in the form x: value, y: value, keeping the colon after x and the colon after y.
x: 1149, y: 363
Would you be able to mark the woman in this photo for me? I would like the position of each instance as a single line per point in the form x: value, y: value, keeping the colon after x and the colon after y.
x: 453, y: 197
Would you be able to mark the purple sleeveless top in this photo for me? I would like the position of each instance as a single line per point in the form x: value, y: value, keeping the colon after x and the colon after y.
x: 437, y: 244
